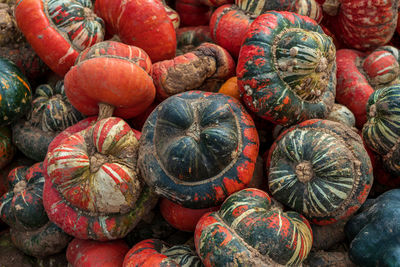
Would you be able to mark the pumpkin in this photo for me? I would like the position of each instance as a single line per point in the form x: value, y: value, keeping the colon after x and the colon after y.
x: 359, y: 74
x: 86, y: 253
x: 362, y: 25
x: 130, y: 94
x: 22, y: 209
x: 204, y: 69
x: 15, y: 93
x: 7, y: 149
x: 192, y: 12
x: 92, y: 179
x: 230, y: 88
x: 375, y: 231
x: 229, y: 23
x: 154, y: 252
x: 144, y: 24
x: 251, y: 229
x: 381, y: 131
x: 197, y: 148
x: 342, y: 114
x: 22, y: 206
x: 286, y: 68
x: 51, y: 113
x: 58, y: 30
x: 321, y: 169
x: 182, y: 218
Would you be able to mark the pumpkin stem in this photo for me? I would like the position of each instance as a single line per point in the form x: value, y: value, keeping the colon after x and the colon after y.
x: 105, y: 111
x: 96, y: 161
x: 304, y: 171
x: 194, y: 131
x: 331, y: 7
x: 89, y: 14
x: 372, y: 111
x: 19, y: 187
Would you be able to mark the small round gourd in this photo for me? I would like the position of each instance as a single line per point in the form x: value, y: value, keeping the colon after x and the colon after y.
x: 51, y: 113
x: 286, y: 68
x: 320, y: 169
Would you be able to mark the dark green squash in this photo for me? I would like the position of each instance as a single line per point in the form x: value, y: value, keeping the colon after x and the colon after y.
x: 375, y: 232
x: 7, y: 149
x: 286, y: 68
x: 381, y: 132
x: 51, y: 113
x: 197, y: 148
x: 22, y: 209
x: 15, y: 93
x: 320, y: 169
x: 21, y: 206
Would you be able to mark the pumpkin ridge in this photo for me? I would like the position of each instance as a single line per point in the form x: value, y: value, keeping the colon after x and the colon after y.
x: 357, y: 169
x: 217, y: 175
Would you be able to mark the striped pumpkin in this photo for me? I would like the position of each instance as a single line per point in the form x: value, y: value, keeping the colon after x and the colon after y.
x: 229, y: 23
x: 154, y: 252
x: 91, y: 178
x: 286, y: 68
x: 51, y: 113
x: 342, y: 114
x: 309, y: 8
x: 251, y: 229
x: 321, y: 169
x: 381, y: 132
x: 58, y: 30
x: 197, y: 148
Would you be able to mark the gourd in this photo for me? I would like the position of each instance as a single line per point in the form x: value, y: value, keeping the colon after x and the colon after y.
x: 286, y: 68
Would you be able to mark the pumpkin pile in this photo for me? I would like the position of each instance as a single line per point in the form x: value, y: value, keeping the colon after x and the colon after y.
x: 199, y: 133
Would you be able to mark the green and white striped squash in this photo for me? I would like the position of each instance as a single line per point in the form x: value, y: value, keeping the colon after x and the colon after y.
x: 320, y: 169
x: 381, y: 132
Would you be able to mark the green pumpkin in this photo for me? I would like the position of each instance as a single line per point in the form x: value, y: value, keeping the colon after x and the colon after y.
x: 7, y: 149
x: 51, y: 113
x: 320, y: 169
x: 15, y: 93
x: 381, y: 132
x: 286, y: 68
x: 375, y: 232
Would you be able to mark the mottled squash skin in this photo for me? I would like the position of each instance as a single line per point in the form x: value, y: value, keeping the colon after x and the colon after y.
x: 15, y: 93
x: 286, y: 68
x: 197, y: 148
x: 251, y: 229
